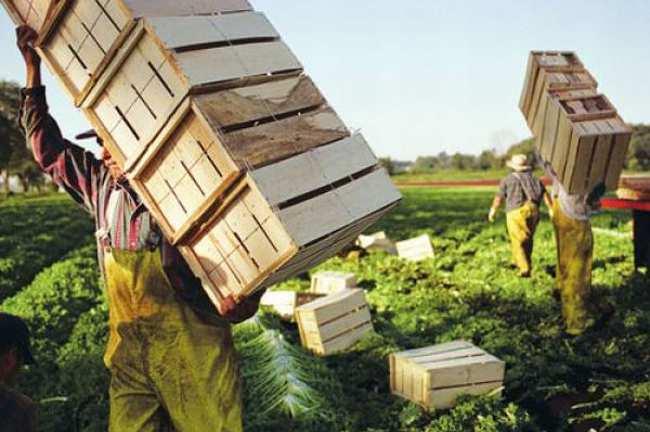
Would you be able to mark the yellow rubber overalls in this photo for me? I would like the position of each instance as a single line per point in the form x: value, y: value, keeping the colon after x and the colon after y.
x: 169, y: 370
x: 522, y: 223
x: 575, y: 245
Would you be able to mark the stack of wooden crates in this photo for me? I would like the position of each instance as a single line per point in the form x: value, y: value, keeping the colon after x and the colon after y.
x: 233, y: 149
x: 577, y: 130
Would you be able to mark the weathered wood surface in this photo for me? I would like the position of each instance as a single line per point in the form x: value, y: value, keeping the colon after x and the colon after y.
x: 435, y: 376
x: 227, y: 108
x: 30, y: 12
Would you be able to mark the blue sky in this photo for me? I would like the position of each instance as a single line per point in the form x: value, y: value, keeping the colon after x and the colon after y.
x: 420, y: 77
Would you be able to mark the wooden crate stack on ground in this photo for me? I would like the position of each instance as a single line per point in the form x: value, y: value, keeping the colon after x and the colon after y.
x: 232, y: 147
x: 577, y: 130
x: 416, y: 249
x: 330, y: 282
x: 284, y: 303
x: 435, y: 376
x: 334, y: 323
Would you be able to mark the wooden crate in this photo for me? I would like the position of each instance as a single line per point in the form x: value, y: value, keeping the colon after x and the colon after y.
x: 334, y: 323
x: 165, y: 58
x: 235, y: 152
x: 330, y: 282
x: 548, y: 61
x: 585, y: 141
x: 284, y: 303
x: 79, y: 38
x: 435, y: 376
x: 377, y: 242
x: 553, y: 83
x: 261, y: 233
x: 416, y: 249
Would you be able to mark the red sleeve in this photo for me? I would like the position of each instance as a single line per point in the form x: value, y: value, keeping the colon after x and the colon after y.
x: 76, y: 170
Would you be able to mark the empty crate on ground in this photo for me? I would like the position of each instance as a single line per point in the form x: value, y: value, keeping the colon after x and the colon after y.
x: 435, y: 376
x: 330, y: 282
x: 635, y: 188
x: 236, y: 153
x: 377, y: 242
x: 334, y: 323
x: 416, y: 249
x: 284, y: 303
x: 577, y: 130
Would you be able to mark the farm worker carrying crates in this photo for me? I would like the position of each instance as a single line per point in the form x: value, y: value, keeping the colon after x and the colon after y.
x: 523, y: 194
x: 171, y: 356
x: 17, y: 411
x: 575, y: 246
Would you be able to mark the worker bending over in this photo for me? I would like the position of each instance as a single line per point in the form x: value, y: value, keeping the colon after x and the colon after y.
x: 522, y: 193
x: 170, y: 352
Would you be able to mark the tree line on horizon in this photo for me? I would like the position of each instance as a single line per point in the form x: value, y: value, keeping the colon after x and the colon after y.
x: 638, y: 158
x: 16, y: 158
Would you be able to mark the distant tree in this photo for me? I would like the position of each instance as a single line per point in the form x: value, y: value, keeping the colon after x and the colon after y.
x: 388, y: 164
x: 444, y: 160
x: 462, y: 161
x: 15, y: 158
x: 424, y: 164
x: 639, y: 154
x: 488, y: 159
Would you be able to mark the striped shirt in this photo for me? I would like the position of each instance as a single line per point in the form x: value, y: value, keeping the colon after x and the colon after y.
x: 122, y: 221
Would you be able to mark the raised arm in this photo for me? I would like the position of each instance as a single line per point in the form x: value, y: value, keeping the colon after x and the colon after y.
x: 70, y: 166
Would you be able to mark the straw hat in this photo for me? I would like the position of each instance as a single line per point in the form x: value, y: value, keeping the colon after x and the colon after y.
x: 519, y: 162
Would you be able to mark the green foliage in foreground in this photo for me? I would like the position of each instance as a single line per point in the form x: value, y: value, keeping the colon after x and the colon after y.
x: 34, y: 233
x: 468, y: 291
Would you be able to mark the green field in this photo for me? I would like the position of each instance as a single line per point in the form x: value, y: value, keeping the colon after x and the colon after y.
x: 468, y: 291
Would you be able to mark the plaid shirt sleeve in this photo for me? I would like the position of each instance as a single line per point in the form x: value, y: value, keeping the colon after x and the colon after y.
x: 76, y: 170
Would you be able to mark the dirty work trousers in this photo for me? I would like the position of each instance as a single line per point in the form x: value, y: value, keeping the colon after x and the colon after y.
x: 522, y: 224
x: 575, y: 246
x: 169, y: 370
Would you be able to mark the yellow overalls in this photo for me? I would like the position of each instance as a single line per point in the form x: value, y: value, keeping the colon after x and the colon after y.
x: 575, y: 245
x: 169, y: 370
x: 522, y: 223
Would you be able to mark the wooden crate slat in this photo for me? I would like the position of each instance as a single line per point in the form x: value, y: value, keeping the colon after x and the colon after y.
x: 329, y: 282
x: 436, y: 349
x: 289, y: 136
x: 470, y: 351
x: 308, y: 221
x: 294, y: 177
x: 622, y: 139
x: 329, y: 308
x: 462, y: 371
x: 343, y: 325
x: 446, y: 398
x: 179, y: 32
x: 240, y: 105
x: 215, y: 65
x: 346, y: 340
x: 148, y: 8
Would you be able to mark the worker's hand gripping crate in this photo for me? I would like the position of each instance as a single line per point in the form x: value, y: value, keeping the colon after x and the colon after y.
x: 435, y: 376
x: 233, y: 149
x: 334, y: 323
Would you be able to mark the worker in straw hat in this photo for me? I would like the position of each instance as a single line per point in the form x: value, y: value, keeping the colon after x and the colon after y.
x: 17, y: 411
x: 522, y: 193
x: 170, y: 352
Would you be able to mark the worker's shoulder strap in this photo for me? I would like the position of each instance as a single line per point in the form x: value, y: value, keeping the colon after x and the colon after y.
x: 523, y: 186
